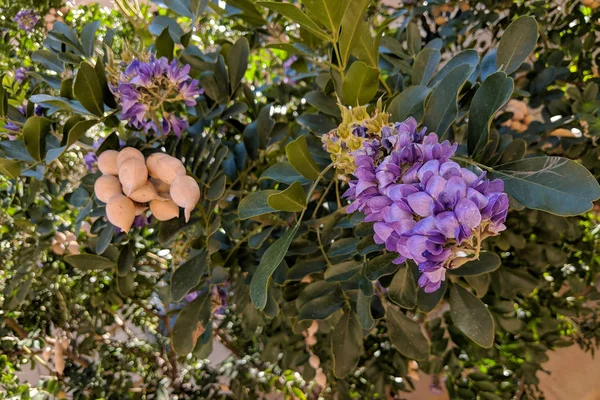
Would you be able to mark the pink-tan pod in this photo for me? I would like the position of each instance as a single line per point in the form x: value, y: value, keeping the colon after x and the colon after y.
x: 106, y: 187
x: 107, y: 162
x: 160, y: 186
x: 164, y: 210
x: 120, y: 211
x: 185, y: 193
x: 127, y: 153
x: 133, y: 174
x: 164, y: 167
x: 139, y: 210
x: 58, y: 249
x: 144, y: 194
x: 73, y: 247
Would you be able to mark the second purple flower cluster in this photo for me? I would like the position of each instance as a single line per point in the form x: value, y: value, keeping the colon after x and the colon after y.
x: 154, y: 93
x: 424, y: 206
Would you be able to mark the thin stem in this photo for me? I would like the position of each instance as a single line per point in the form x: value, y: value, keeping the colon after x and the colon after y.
x: 312, y: 189
x: 472, y: 162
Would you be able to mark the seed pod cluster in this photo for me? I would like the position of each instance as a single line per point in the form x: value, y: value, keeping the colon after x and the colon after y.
x: 521, y: 116
x: 65, y: 242
x: 593, y: 4
x: 131, y: 184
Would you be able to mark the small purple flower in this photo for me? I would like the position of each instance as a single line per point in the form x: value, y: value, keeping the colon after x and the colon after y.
x: 20, y: 74
x: 192, y: 296
x: 27, y: 19
x: 141, y: 221
x: 425, y: 207
x: 91, y: 161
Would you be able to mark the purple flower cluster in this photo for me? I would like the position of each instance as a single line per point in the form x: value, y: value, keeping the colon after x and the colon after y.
x: 153, y: 92
x: 424, y: 206
x: 27, y: 19
x: 20, y: 75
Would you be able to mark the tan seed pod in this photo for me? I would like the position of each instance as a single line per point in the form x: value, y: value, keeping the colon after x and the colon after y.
x: 127, y: 153
x: 106, y: 187
x: 160, y: 186
x: 133, y: 174
x: 314, y: 361
x: 321, y: 378
x: 164, y: 210
x: 70, y: 236
x: 518, y: 115
x: 59, y: 360
x: 107, y: 162
x: 58, y: 249
x: 60, y: 237
x: 73, y: 247
x: 165, y: 168
x: 185, y: 193
x: 562, y: 132
x: 139, y: 210
x: 528, y: 119
x: 153, y: 160
x: 144, y: 194
x: 120, y: 211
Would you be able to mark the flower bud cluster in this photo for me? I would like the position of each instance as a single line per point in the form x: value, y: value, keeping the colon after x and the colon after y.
x: 424, y: 206
x: 27, y: 19
x: 154, y: 95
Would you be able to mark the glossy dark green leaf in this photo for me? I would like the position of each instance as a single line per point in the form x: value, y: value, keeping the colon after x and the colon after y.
x: 317, y: 123
x: 489, y: 98
x: 413, y: 39
x: 342, y: 271
x: 406, y: 335
x: 428, y: 301
x: 464, y: 57
x: 471, y: 316
x: 553, y: 184
x: 323, y: 103
x: 328, y: 12
x: 190, y: 324
x: 360, y: 84
x: 48, y: 60
x: 257, y: 240
x: 89, y: 262
x: 425, y: 66
x: 87, y: 89
x: 380, y: 266
x: 268, y: 263
x: 217, y: 187
x: 321, y: 307
x: 165, y: 45
x: 188, y: 276
x: 350, y: 35
x: 480, y: 283
x: 10, y: 168
x: 237, y: 62
x: 88, y: 37
x: 126, y: 260
x: 291, y: 199
x: 306, y: 267
x: 255, y: 204
x: 518, y: 41
x: 403, y: 289
x: 488, y: 261
x: 181, y: 7
x: 346, y: 344
x: 126, y: 284
x: 514, y: 151
x: 343, y: 247
x: 300, y: 158
x: 34, y: 134
x: 408, y: 103
x: 104, y: 239
x: 363, y: 310
x: 159, y: 24
x: 441, y: 106
x: 283, y: 172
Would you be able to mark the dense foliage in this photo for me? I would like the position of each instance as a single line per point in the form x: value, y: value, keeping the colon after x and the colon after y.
x: 267, y: 176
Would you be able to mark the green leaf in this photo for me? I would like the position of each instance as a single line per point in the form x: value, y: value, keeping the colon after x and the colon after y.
x: 553, y: 184
x: 104, y: 238
x: 318, y: 123
x: 160, y: 22
x: 48, y: 60
x: 165, y: 45
x: 360, y: 84
x: 428, y: 301
x: 380, y: 266
x: 72, y: 135
x: 441, y: 106
x: 181, y: 7
x: 321, y: 307
x: 408, y: 103
x: 327, y: 12
x: 300, y: 158
x: 363, y: 310
x: 413, y: 39
x: 406, y: 335
x: 343, y: 271
x: 59, y: 102
x: 403, y: 288
x: 489, y: 98
x: 471, y: 316
x: 88, y: 91
x: 366, y: 46
x: 237, y: 62
x: 291, y: 199
x: 323, y: 103
x: 88, y: 37
x: 480, y: 283
x: 126, y: 260
x: 350, y: 25
x: 487, y: 262
x: 188, y: 276
x: 190, y: 324
x: 283, y: 172
x: 268, y: 263
x: 10, y: 168
x: 89, y: 262
x: 304, y: 268
x: 346, y: 344
x: 425, y: 65
x: 217, y: 187
x: 255, y: 204
x: 517, y: 43
x: 296, y: 15
x: 34, y: 135
x: 464, y: 57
